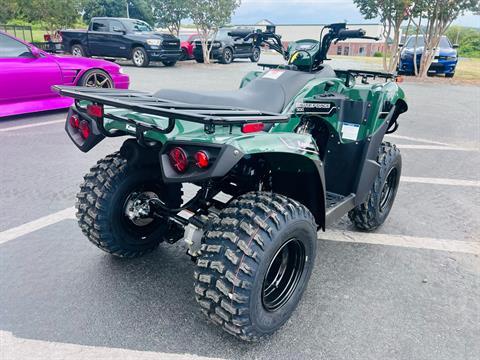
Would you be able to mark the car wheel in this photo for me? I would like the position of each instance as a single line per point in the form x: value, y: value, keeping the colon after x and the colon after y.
x: 184, y: 55
x: 169, y: 63
x: 96, y: 78
x: 450, y: 75
x: 255, y: 55
x: 77, y: 50
x: 227, y: 56
x: 140, y: 57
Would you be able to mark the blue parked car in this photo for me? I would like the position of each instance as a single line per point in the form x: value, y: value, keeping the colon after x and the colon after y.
x: 444, y: 62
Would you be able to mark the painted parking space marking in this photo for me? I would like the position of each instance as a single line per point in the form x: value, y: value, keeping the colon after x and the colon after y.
x: 440, y: 181
x: 434, y: 147
x: 331, y: 235
x: 69, y: 213
x: 37, y: 224
x: 15, y: 348
x: 469, y: 247
x: 26, y: 126
x: 427, y: 141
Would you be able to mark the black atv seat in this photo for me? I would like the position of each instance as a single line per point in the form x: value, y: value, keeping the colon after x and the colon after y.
x: 270, y: 92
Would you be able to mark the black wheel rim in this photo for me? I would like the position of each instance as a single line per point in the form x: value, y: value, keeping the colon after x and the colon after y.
x: 388, y: 190
x: 283, y: 275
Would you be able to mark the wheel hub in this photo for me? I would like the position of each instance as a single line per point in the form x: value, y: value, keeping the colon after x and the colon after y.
x: 138, y: 57
x: 137, y: 208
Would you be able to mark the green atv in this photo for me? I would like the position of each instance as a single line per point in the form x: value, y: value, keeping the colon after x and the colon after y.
x: 297, y: 147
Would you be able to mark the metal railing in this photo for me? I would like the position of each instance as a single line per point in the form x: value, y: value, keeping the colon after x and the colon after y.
x: 19, y: 31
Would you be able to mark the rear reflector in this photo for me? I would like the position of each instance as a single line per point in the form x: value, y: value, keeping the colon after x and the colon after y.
x: 201, y: 159
x: 95, y: 110
x: 74, y: 121
x: 178, y: 159
x: 253, y: 127
x: 84, y: 128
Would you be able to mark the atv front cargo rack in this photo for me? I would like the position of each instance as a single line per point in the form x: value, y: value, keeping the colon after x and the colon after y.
x: 145, y: 103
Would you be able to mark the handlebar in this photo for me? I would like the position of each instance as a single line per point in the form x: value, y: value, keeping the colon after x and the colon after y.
x: 350, y: 34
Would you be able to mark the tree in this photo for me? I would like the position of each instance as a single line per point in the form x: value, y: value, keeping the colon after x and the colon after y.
x: 55, y: 14
x: 468, y: 40
x: 93, y: 8
x: 170, y: 13
x: 438, y: 15
x: 392, y: 13
x: 141, y: 9
x: 8, y: 10
x: 137, y: 9
x: 208, y: 16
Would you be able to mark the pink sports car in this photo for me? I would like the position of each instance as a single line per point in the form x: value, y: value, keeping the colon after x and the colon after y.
x: 28, y: 73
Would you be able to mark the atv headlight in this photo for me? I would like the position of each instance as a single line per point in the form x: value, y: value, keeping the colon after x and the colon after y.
x: 154, y: 42
x: 217, y: 44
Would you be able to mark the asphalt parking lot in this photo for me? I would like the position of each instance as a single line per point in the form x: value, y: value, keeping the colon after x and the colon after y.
x: 411, y: 290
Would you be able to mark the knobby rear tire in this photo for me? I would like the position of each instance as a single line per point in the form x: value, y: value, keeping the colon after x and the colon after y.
x: 236, y: 253
x: 100, y: 203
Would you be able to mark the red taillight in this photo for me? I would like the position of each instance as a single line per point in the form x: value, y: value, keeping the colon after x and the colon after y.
x: 84, y: 128
x: 253, y: 127
x: 95, y: 110
x: 74, y: 121
x: 178, y: 159
x: 201, y: 159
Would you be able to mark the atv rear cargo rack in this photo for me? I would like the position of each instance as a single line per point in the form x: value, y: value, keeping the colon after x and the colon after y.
x: 365, y: 75
x: 145, y: 103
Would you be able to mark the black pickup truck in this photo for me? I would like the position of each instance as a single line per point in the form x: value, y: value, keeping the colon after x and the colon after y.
x: 122, y: 38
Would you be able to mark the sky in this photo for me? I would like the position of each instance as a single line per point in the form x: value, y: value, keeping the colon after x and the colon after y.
x: 311, y: 12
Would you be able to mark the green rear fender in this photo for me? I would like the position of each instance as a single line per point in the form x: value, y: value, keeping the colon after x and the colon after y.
x: 296, y: 168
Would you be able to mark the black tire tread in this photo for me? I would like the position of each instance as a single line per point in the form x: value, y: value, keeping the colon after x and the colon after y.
x: 92, y: 200
x: 226, y: 269
x: 363, y: 216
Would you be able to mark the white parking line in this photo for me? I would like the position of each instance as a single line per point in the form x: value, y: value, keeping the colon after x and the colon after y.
x: 469, y: 247
x: 69, y: 213
x: 335, y: 235
x: 440, y: 181
x: 14, y: 348
x: 37, y: 224
x: 419, y: 140
x: 434, y: 147
x: 20, y: 127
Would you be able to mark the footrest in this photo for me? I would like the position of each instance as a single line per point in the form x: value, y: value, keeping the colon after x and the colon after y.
x: 337, y: 205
